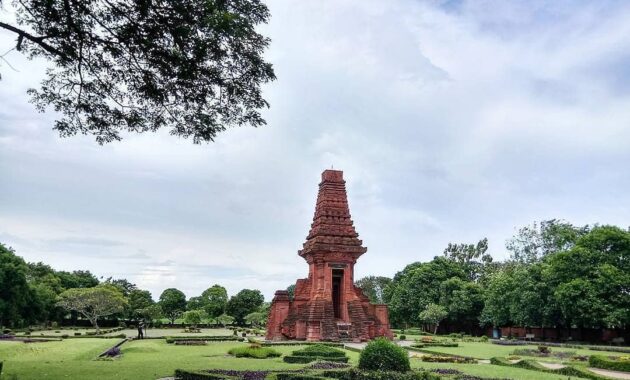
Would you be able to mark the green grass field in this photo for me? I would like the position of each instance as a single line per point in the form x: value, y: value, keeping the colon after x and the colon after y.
x: 151, y: 359
x: 143, y: 359
x: 487, y: 350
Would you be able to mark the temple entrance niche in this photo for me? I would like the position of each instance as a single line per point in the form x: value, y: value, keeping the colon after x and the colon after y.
x: 337, y: 284
x: 326, y: 305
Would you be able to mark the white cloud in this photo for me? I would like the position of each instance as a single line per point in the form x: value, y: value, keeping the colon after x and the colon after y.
x: 452, y: 121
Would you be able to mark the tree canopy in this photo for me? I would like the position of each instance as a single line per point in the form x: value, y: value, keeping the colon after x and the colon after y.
x: 195, y: 67
x: 93, y: 303
x: 243, y: 303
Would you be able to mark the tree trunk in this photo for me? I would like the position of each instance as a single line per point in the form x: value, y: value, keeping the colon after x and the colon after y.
x: 436, y: 328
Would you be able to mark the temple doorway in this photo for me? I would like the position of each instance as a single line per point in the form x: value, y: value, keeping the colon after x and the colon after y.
x: 337, y: 281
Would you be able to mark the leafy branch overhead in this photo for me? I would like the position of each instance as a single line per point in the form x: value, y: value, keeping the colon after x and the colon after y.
x: 195, y: 67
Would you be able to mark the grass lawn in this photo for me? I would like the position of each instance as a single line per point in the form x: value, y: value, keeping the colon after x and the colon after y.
x: 488, y: 370
x: 488, y: 350
x: 134, y: 332
x: 142, y: 360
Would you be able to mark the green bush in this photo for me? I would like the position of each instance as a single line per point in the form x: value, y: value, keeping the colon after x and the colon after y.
x: 383, y: 355
x: 484, y: 338
x: 308, y: 359
x: 64, y: 336
x: 296, y: 376
x: 535, y: 366
x: 604, y: 362
x: 1, y: 364
x: 356, y: 374
x: 447, y: 359
x: 402, y: 337
x: 181, y: 374
x: 254, y: 351
x: 319, y: 350
x: 77, y: 334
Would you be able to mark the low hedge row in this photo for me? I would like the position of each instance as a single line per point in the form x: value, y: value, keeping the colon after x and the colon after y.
x: 296, y: 376
x: 321, y: 351
x: 302, y: 343
x: 435, y: 344
x: 534, y: 366
x: 604, y: 362
x: 309, y: 359
x: 255, y: 352
x: 181, y: 374
x: 357, y: 374
x: 173, y: 339
x: 424, y: 351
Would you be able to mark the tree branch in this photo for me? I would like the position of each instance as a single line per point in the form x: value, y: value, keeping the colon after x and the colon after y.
x: 37, y: 40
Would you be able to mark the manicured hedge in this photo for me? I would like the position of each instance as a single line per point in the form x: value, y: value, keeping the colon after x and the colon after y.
x: 302, y: 343
x: 254, y: 352
x: 296, y: 376
x: 320, y: 351
x: 447, y: 359
x: 172, y: 339
x: 309, y: 359
x: 534, y: 366
x: 604, y: 362
x: 181, y: 374
x: 435, y: 344
x: 357, y: 374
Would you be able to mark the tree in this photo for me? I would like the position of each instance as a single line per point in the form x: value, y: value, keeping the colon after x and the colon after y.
x: 77, y: 279
x: 215, y: 300
x: 194, y: 317
x: 195, y: 303
x: 433, y: 314
x: 93, y: 303
x: 373, y: 287
x: 256, y: 318
x: 532, y: 243
x: 173, y: 303
x: 244, y: 302
x: 225, y: 319
x: 14, y: 290
x: 462, y: 300
x: 194, y: 66
x: 138, y: 302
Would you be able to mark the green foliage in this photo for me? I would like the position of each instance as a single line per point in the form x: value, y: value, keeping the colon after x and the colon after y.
x: 244, y: 302
x: 173, y: 303
x: 256, y: 318
x: 320, y: 351
x: 437, y: 358
x: 383, y: 355
x: 309, y: 359
x: 374, y: 287
x: 181, y: 374
x: 194, y: 317
x: 14, y: 290
x: 93, y: 303
x: 196, y: 67
x: 617, y: 364
x: 358, y: 374
x: 533, y: 243
x: 433, y: 314
x: 215, y: 299
x: 225, y: 320
x: 534, y: 366
x: 254, y: 351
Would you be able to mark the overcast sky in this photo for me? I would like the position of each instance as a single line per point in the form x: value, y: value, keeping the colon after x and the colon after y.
x: 451, y: 120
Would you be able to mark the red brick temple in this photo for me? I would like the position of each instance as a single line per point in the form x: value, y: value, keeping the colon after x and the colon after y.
x: 326, y: 305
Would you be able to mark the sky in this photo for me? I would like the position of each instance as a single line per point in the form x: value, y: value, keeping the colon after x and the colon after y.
x: 452, y: 121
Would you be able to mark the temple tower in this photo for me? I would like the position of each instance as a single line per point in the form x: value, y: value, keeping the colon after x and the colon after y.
x: 327, y: 305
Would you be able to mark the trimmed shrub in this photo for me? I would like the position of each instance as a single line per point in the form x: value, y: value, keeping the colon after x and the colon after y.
x: 255, y: 352
x: 309, y: 359
x: 604, y: 362
x: 534, y: 366
x: 173, y: 339
x: 181, y: 374
x: 383, y: 355
x: 65, y: 336
x: 321, y: 351
x: 356, y: 374
x: 77, y: 334
x: 447, y: 359
x: 296, y: 376
x: 484, y: 338
x: 402, y: 337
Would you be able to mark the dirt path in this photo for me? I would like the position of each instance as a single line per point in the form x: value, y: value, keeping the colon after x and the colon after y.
x: 611, y: 374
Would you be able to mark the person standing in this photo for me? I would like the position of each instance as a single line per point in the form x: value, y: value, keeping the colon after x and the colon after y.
x: 140, y: 332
